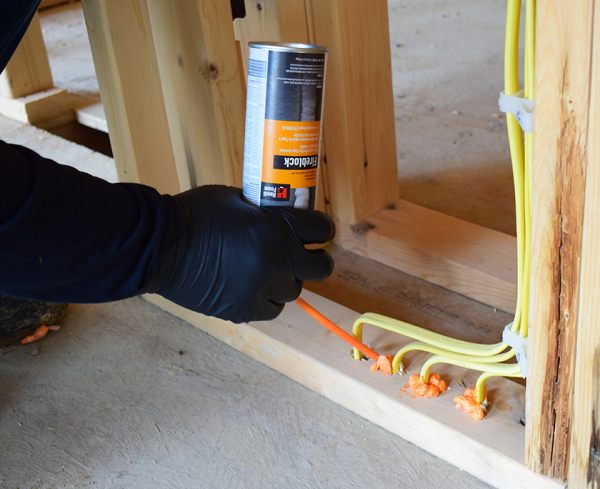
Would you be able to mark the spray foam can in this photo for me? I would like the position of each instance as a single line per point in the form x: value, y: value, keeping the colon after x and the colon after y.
x: 284, y: 109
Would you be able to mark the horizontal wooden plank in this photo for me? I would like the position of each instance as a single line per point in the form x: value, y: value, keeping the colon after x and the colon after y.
x: 93, y: 116
x: 44, y: 109
x: 297, y: 346
x: 466, y: 258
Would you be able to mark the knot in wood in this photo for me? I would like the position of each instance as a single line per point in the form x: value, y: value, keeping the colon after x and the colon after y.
x: 362, y: 228
x: 212, y: 71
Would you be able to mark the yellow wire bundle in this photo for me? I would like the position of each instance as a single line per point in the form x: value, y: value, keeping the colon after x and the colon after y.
x: 487, y: 358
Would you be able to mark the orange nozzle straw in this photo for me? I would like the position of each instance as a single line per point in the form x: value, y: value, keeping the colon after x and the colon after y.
x: 334, y: 328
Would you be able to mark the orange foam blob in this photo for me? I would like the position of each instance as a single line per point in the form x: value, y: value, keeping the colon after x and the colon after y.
x: 383, y: 363
x: 468, y: 403
x: 39, y: 333
x: 421, y: 389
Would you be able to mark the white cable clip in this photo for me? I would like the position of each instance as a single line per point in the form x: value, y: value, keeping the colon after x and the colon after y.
x: 519, y: 344
x: 521, y: 107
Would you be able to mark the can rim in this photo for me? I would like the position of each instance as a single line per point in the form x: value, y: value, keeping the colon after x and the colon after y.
x: 289, y: 47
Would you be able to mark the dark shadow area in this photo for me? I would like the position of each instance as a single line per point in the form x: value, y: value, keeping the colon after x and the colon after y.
x: 86, y: 136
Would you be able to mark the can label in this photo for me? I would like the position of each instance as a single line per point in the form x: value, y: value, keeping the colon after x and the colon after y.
x: 283, y: 127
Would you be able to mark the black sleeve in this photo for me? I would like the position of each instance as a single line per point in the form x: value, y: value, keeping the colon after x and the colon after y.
x: 14, y: 21
x: 66, y: 236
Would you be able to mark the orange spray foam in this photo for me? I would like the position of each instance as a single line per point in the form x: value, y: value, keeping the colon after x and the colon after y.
x: 38, y: 333
x: 421, y: 389
x: 468, y: 403
x: 383, y: 363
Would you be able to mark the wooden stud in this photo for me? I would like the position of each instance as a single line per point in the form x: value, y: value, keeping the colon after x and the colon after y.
x: 203, y: 89
x: 474, y: 261
x: 127, y: 70
x: 28, y: 71
x: 359, y: 120
x: 584, y: 467
x: 563, y: 67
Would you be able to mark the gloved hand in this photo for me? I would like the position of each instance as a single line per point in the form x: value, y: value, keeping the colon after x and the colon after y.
x: 239, y: 262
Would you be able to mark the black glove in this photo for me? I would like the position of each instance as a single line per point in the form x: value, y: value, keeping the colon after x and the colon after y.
x: 239, y: 262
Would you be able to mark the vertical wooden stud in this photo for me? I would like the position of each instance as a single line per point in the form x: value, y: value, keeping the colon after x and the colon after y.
x: 561, y: 155
x: 127, y: 70
x: 359, y: 112
x: 203, y: 89
x: 28, y: 71
x: 584, y: 468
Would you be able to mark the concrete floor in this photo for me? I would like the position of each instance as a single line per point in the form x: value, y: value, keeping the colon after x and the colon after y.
x: 124, y: 395
x: 453, y: 154
x: 127, y: 396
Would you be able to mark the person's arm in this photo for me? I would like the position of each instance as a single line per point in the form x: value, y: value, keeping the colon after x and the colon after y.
x: 66, y: 236
x: 14, y: 21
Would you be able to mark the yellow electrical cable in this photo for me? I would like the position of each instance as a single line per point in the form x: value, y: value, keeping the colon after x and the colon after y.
x: 524, y: 157
x: 511, y: 86
x: 420, y: 346
x: 487, y: 358
x: 497, y: 368
x: 529, y: 91
x: 480, y: 386
x: 423, y: 335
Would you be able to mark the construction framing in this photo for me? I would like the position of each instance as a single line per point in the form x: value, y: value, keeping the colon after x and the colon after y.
x: 171, y: 75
